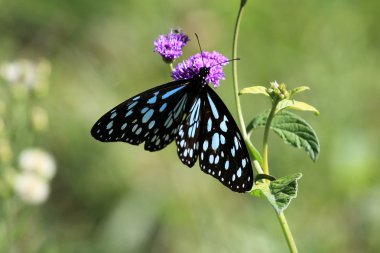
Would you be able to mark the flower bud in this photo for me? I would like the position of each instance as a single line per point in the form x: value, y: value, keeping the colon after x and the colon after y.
x: 278, y: 92
x: 274, y: 85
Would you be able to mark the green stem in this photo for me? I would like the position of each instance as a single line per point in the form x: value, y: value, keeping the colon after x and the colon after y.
x: 234, y: 72
x: 266, y: 135
x: 288, y: 234
x: 253, y: 151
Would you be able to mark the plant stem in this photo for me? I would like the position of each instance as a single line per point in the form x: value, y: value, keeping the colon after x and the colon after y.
x: 265, y: 140
x: 234, y: 72
x: 255, y: 153
x: 281, y: 217
x: 287, y: 233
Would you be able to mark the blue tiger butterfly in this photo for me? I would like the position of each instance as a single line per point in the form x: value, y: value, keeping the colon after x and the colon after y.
x: 190, y: 112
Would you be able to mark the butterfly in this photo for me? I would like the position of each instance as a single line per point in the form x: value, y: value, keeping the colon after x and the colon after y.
x: 191, y: 113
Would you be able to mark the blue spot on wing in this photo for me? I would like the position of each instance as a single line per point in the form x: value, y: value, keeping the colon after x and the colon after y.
x: 152, y: 100
x: 163, y: 106
x: 171, y: 92
x: 215, y: 141
x: 213, y: 108
x: 147, y: 116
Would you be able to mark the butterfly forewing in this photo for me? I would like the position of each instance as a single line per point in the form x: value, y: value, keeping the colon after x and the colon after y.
x: 223, y: 153
x: 187, y: 138
x: 152, y: 116
x: 167, y: 124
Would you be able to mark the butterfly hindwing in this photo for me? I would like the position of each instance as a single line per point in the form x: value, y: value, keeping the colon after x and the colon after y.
x: 223, y: 153
x: 187, y: 138
x: 152, y: 116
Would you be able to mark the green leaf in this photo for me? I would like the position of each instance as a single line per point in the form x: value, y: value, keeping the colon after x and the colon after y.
x: 298, y: 90
x: 295, y: 105
x: 258, y: 121
x: 292, y: 129
x: 278, y: 192
x: 258, y: 189
x: 284, y: 190
x: 254, y: 90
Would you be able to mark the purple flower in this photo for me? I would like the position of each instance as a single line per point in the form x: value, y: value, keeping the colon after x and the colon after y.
x: 169, y: 46
x: 191, y: 67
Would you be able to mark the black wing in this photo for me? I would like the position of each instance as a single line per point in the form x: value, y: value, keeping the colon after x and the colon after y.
x: 187, y: 138
x: 223, y: 153
x: 152, y: 116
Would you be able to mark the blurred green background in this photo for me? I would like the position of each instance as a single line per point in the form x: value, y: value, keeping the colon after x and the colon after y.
x: 119, y: 198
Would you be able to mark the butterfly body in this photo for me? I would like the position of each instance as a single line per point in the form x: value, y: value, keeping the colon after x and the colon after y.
x: 191, y: 113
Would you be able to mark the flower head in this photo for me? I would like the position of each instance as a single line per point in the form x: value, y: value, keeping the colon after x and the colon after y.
x: 37, y: 161
x: 31, y: 188
x: 191, y: 67
x: 169, y: 46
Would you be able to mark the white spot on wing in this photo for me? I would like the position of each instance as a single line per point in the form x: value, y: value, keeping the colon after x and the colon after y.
x: 211, y: 159
x: 227, y: 165
x: 205, y: 145
x: 236, y: 143
x: 238, y: 173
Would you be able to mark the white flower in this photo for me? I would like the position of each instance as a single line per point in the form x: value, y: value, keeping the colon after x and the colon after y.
x: 38, y: 161
x: 31, y: 188
x: 20, y: 72
x: 11, y: 72
x: 274, y: 85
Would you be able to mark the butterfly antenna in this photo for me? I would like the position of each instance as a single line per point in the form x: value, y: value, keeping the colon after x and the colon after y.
x: 220, y: 63
x: 200, y: 48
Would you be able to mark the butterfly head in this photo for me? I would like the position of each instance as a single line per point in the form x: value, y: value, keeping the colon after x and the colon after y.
x: 203, y: 74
